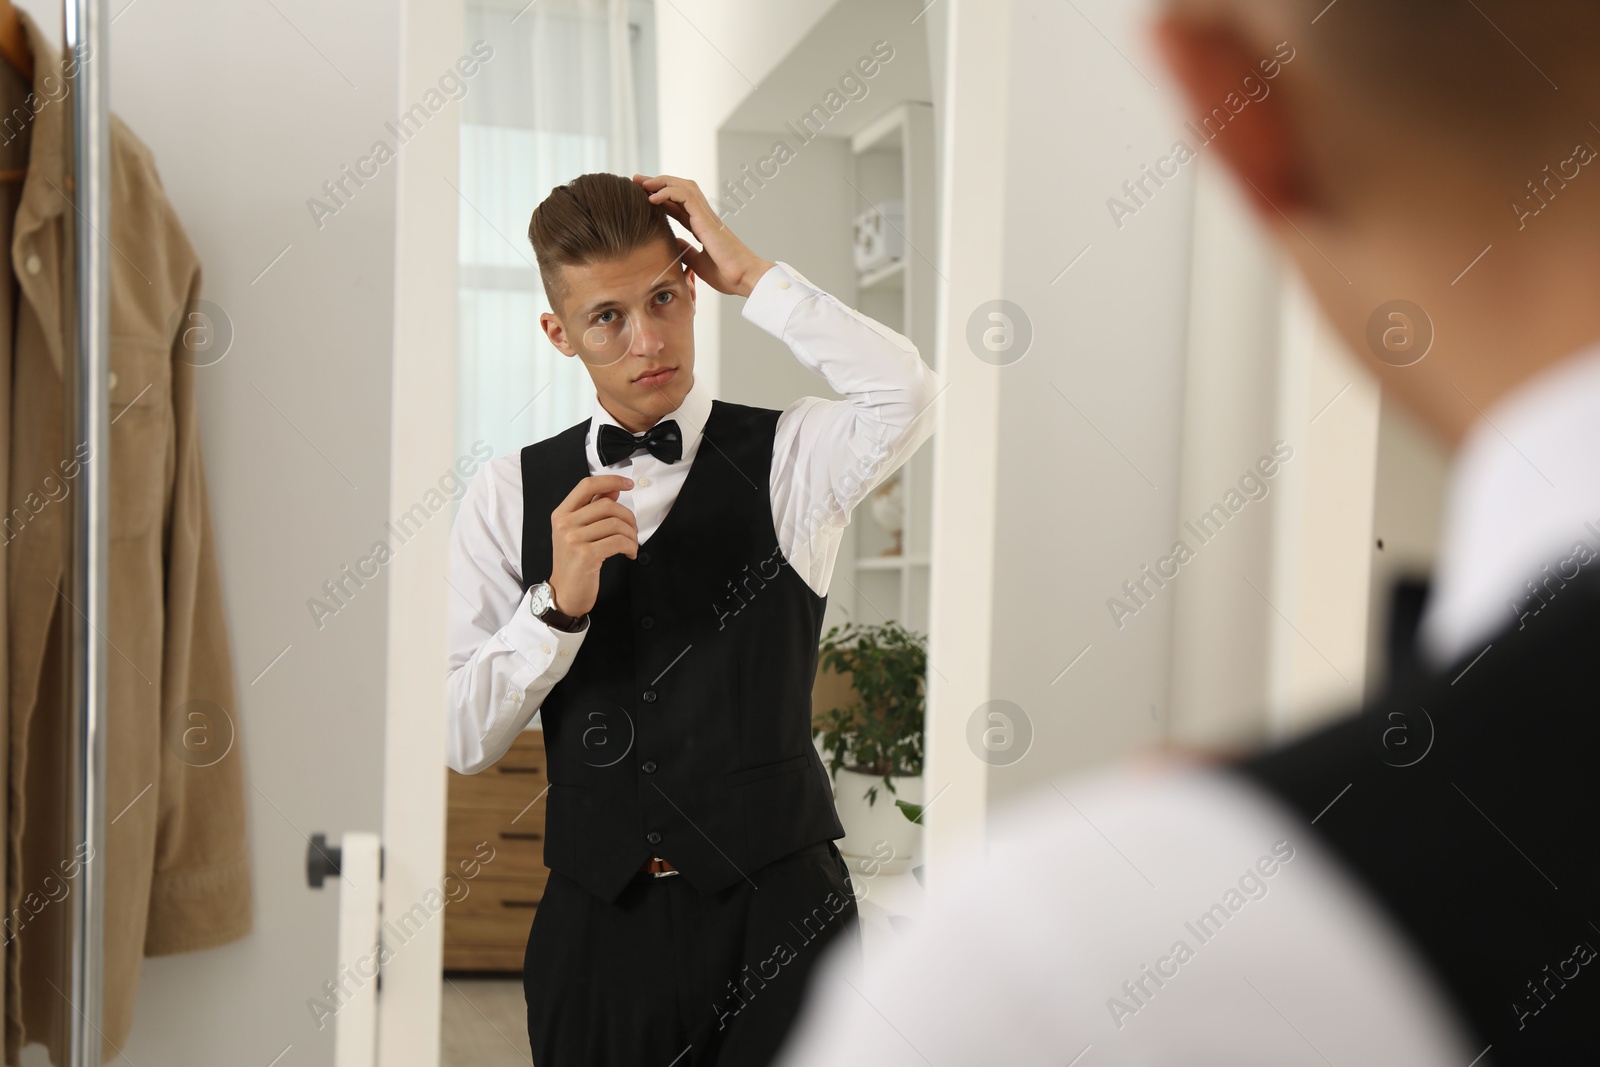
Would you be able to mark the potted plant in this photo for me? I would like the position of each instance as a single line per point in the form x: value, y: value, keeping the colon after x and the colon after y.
x: 872, y: 735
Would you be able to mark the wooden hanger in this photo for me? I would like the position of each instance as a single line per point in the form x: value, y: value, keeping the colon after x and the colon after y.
x: 15, y: 51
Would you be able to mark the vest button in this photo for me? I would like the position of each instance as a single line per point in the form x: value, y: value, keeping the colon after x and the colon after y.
x: 654, y: 837
x: 644, y: 557
x: 649, y: 696
x: 649, y: 766
x: 647, y: 622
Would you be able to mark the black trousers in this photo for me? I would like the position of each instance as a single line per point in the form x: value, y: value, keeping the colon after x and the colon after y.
x: 666, y: 977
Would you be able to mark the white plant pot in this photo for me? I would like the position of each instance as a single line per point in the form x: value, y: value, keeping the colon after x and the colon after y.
x: 879, y: 832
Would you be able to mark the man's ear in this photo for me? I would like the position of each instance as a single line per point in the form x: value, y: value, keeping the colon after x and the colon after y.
x: 1210, y: 59
x: 557, y: 333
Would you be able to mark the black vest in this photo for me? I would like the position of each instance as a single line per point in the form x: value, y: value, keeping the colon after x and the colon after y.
x: 683, y: 727
x: 1468, y: 802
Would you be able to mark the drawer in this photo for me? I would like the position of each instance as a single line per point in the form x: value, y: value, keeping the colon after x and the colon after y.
x: 487, y: 930
x: 493, y: 914
x: 518, y: 846
x: 496, y: 959
x: 526, y: 754
x: 510, y: 785
x: 487, y: 896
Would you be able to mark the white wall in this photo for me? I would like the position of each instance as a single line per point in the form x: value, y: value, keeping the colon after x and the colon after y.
x: 1322, y: 556
x: 1090, y: 420
x: 1222, y: 624
x: 1186, y: 354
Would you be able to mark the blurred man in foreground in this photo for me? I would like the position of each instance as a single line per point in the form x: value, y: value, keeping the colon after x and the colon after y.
x: 1418, y: 883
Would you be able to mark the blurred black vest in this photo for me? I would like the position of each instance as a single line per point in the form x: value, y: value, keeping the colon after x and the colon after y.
x: 683, y: 727
x: 1467, y: 801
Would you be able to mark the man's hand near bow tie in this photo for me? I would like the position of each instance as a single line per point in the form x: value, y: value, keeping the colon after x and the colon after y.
x: 724, y: 261
x: 589, y: 527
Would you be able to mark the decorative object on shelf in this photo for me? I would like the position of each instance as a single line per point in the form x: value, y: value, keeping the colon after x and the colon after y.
x: 875, y: 742
x: 880, y: 235
x: 888, y: 507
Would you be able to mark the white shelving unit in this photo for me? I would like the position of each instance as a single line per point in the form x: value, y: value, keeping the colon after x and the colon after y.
x: 893, y: 160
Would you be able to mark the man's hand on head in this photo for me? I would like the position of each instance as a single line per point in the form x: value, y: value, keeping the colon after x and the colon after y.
x: 725, y: 262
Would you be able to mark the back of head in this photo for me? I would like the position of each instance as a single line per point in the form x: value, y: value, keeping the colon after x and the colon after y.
x: 1405, y: 138
x: 593, y: 217
x: 1498, y: 71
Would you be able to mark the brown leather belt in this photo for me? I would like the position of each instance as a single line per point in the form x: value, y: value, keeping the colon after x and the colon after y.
x: 658, y: 867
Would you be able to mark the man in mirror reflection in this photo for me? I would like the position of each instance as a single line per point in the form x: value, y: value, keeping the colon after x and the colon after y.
x: 1415, y: 883
x: 652, y: 582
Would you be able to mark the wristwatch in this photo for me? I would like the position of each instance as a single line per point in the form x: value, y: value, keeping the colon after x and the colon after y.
x: 542, y: 603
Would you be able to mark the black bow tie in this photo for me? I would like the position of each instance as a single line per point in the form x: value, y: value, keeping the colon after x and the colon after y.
x: 663, y: 440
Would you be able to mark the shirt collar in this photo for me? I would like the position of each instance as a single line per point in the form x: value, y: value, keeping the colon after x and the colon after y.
x: 1524, y: 494
x: 691, y: 416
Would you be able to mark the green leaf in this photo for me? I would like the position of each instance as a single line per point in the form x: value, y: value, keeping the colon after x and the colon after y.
x: 912, y: 811
x: 881, y: 733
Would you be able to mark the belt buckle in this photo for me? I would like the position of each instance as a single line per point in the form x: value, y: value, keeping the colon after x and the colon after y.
x: 662, y: 874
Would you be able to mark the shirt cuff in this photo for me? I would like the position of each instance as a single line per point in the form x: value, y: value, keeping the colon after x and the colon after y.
x: 775, y: 296
x: 544, y: 650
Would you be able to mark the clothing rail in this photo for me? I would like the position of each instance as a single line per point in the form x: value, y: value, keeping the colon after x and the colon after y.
x: 87, y: 409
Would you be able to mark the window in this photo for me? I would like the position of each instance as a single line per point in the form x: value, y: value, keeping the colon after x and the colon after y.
x: 550, y: 104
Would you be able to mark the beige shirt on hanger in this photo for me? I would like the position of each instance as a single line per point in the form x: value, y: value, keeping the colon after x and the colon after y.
x: 176, y: 856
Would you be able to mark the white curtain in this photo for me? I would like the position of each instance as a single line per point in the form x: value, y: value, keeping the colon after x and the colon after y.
x: 560, y: 97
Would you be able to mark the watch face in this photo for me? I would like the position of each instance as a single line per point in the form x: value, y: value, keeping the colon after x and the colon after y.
x: 541, y: 598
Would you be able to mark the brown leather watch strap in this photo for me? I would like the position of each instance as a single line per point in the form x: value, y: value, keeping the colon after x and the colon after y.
x: 565, y: 623
x: 554, y: 616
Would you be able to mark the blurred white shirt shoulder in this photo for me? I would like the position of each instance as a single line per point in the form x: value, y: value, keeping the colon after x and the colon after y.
x: 1179, y: 917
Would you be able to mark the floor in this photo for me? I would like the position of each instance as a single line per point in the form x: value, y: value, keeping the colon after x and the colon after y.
x: 889, y: 905
x: 484, y: 1021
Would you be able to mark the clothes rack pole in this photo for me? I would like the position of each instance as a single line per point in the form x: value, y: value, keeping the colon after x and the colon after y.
x: 86, y: 406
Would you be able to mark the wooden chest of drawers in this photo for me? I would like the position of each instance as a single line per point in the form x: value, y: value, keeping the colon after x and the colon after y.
x: 499, y: 809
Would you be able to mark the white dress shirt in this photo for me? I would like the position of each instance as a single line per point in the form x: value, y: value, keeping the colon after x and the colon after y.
x: 826, y: 457
x: 1061, y: 948
x: 1524, y: 495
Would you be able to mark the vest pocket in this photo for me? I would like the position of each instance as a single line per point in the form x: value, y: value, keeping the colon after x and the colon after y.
x: 766, y: 770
